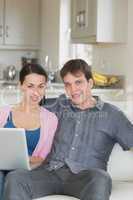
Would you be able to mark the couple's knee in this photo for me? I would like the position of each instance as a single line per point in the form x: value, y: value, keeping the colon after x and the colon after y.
x: 104, y: 181
x: 102, y: 177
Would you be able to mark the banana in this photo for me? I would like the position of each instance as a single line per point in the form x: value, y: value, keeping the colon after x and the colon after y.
x: 113, y: 80
x: 100, y: 79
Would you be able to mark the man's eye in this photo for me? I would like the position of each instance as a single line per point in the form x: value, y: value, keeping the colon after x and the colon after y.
x: 66, y: 85
x: 78, y: 82
x: 42, y: 86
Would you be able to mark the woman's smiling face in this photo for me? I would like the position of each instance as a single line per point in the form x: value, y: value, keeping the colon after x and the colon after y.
x: 33, y: 88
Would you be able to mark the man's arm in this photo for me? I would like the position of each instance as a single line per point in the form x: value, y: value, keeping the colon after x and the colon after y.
x: 124, y: 131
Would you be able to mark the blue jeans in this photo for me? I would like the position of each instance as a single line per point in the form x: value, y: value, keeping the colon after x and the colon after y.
x: 93, y: 184
x: 2, y: 181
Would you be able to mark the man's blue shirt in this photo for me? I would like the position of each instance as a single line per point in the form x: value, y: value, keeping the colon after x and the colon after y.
x: 85, y: 138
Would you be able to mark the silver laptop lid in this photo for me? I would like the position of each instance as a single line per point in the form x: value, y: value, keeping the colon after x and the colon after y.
x: 13, y: 149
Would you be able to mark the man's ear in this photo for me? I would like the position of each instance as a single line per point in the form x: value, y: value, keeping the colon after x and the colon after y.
x: 91, y: 83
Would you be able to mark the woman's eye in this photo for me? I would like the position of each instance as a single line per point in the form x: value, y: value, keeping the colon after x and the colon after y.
x: 30, y: 86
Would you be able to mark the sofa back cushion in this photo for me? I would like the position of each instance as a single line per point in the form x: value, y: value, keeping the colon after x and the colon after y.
x: 120, y: 165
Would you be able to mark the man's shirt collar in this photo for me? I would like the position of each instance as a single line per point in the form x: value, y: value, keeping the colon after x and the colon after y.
x: 99, y: 104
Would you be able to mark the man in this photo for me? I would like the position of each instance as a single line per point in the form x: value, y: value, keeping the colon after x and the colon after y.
x: 88, y: 129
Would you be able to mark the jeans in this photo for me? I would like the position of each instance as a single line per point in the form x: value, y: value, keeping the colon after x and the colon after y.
x: 93, y: 184
x: 3, y: 174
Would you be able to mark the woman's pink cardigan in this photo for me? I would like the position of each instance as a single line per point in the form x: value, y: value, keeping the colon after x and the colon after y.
x: 48, y: 122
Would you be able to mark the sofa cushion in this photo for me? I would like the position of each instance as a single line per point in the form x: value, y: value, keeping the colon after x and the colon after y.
x: 120, y: 165
x: 122, y: 191
x: 57, y: 197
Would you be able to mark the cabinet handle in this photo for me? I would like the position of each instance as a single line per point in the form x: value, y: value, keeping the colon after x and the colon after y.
x: 80, y: 18
x: 6, y: 31
x: 1, y: 31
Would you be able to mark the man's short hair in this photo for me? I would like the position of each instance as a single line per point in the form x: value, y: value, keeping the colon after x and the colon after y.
x: 75, y: 67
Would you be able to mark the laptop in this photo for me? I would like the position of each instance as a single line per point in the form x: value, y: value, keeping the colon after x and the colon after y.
x: 13, y: 149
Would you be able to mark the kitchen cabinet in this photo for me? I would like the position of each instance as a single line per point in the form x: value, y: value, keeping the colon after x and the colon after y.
x: 19, y: 23
x: 102, y: 21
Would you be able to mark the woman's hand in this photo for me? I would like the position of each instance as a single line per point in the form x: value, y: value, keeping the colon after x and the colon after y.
x: 35, y: 161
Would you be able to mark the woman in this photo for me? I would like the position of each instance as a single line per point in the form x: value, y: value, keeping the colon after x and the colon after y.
x: 39, y: 123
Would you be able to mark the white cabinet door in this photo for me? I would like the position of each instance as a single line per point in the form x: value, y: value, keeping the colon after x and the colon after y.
x: 112, y: 20
x: 22, y: 22
x: 99, y: 21
x: 1, y: 20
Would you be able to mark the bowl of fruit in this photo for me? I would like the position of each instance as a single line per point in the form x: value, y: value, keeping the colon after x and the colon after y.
x: 104, y: 80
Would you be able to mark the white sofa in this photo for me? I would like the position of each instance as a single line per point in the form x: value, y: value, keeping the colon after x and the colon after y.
x: 120, y: 167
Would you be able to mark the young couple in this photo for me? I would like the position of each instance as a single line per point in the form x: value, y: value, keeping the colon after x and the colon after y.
x: 87, y: 130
